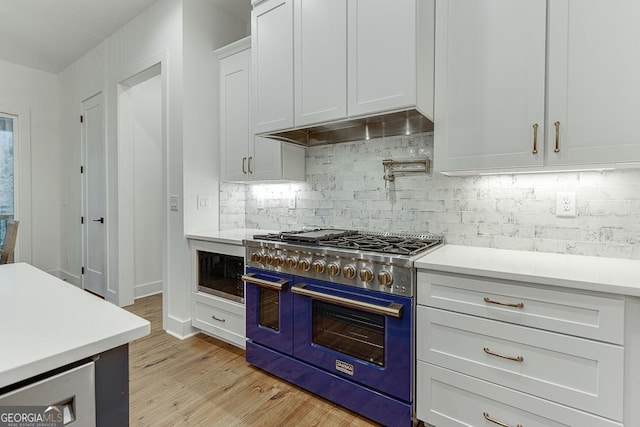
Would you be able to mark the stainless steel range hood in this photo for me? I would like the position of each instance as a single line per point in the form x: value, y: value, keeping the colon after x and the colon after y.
x: 407, y: 122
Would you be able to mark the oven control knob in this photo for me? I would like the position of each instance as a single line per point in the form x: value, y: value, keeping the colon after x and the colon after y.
x: 366, y: 275
x: 304, y: 264
x: 333, y: 268
x: 349, y: 271
x: 278, y: 261
x: 266, y: 259
x: 291, y: 262
x: 318, y: 266
x: 385, y: 278
x: 256, y: 257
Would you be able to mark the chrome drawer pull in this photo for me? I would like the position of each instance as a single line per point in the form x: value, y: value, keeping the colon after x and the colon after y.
x: 393, y: 309
x: 218, y: 319
x: 280, y: 285
x: 535, y: 139
x: 488, y: 418
x: 515, y: 359
x: 506, y: 304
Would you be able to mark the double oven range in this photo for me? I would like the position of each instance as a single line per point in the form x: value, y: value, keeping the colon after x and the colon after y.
x: 332, y: 311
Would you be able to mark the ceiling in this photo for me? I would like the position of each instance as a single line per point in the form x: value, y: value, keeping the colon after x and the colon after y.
x: 49, y: 35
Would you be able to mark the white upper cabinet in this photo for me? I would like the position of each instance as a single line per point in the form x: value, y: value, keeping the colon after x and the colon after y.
x: 490, y: 84
x: 318, y: 61
x: 382, y: 55
x: 320, y: 52
x: 243, y: 156
x: 234, y: 114
x: 491, y: 62
x: 594, y: 94
x: 272, y: 59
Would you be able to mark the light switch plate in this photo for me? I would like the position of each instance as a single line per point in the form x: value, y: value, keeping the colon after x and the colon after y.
x: 292, y: 201
x: 566, y: 205
x: 260, y: 203
x: 173, y: 203
x: 204, y: 202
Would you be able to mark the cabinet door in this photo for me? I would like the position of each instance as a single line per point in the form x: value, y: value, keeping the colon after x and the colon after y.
x: 382, y: 55
x: 320, y: 52
x: 272, y: 63
x: 594, y: 95
x: 265, y: 159
x: 490, y: 84
x: 234, y: 115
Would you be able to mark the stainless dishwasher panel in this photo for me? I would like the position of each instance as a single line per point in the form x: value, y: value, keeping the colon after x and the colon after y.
x: 73, y: 390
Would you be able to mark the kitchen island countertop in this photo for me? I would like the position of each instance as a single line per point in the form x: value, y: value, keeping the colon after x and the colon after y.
x: 613, y: 275
x: 46, y: 323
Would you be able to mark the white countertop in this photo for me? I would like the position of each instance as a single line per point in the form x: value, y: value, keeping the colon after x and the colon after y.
x: 614, y: 275
x: 233, y: 237
x: 46, y: 323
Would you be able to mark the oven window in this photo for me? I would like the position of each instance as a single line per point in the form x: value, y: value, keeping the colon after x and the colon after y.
x: 349, y: 331
x: 221, y: 275
x: 268, y: 309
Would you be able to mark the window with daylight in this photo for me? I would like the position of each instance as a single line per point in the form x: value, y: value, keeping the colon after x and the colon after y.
x: 7, y: 187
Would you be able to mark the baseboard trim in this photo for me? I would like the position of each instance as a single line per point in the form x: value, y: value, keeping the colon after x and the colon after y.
x: 68, y: 277
x: 147, y: 289
x: 180, y: 329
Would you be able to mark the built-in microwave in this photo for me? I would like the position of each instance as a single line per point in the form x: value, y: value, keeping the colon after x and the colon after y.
x: 221, y: 275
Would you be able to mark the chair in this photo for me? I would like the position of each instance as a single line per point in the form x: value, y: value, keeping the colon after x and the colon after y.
x: 9, y: 244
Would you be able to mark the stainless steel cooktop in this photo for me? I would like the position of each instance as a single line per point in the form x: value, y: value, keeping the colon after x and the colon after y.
x: 378, y: 261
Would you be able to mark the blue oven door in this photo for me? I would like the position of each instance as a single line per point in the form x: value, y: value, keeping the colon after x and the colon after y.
x: 361, y: 335
x: 269, y: 308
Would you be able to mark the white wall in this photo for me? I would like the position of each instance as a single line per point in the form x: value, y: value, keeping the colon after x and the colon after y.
x: 33, y: 96
x: 152, y: 37
x: 189, y: 108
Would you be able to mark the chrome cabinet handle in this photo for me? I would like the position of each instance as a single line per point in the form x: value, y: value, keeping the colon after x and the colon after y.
x: 506, y: 304
x: 515, y: 359
x: 218, y: 319
x: 250, y: 171
x: 557, y: 149
x: 393, y: 309
x: 280, y: 285
x: 535, y: 139
x: 244, y: 170
x: 488, y: 418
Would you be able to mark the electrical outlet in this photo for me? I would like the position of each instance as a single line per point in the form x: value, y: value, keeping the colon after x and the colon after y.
x: 173, y: 203
x: 566, y: 205
x: 260, y: 203
x: 292, y: 201
x: 204, y: 202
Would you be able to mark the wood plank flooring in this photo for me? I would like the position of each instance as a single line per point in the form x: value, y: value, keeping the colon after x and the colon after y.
x: 205, y: 382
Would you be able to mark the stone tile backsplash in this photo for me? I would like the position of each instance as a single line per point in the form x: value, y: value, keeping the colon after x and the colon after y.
x: 344, y: 188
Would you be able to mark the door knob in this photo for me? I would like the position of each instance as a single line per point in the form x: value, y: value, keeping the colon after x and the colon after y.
x: 101, y: 220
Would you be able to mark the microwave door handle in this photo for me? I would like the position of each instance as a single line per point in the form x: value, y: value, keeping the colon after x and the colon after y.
x: 393, y: 309
x: 280, y: 285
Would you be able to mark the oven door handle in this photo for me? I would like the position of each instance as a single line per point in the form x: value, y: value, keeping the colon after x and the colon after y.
x: 280, y: 285
x: 393, y: 309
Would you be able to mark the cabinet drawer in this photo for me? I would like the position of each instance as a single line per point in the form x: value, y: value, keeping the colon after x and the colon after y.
x: 449, y: 399
x: 595, y: 316
x: 583, y: 374
x: 220, y: 317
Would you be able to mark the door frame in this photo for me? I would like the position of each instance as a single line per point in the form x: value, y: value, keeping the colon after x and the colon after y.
x: 120, y: 287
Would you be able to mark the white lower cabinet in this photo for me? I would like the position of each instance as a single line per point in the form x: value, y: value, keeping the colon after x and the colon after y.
x: 219, y: 317
x: 491, y: 351
x: 450, y: 399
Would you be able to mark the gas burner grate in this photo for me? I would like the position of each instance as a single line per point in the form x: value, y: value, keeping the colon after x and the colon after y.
x: 389, y: 243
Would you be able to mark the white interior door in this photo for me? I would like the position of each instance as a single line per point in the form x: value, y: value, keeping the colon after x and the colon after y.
x: 94, y: 196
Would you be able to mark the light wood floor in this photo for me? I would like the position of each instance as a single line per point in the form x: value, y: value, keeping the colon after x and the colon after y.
x: 205, y: 382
